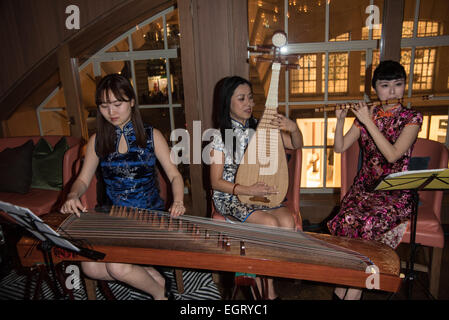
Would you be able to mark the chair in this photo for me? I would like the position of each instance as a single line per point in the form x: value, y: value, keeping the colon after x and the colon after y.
x: 294, y: 161
x: 429, y: 231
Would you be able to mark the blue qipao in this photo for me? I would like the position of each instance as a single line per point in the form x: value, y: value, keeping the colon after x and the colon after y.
x: 131, y: 178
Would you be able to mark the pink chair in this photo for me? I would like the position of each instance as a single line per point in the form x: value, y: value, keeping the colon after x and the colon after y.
x: 294, y: 158
x: 429, y: 231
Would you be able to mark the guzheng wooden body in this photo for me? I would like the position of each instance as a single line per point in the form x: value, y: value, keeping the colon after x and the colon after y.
x: 153, y: 238
x: 264, y: 159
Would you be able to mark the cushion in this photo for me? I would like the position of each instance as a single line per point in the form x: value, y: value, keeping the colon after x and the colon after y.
x: 47, y: 164
x: 418, y: 163
x: 15, y: 168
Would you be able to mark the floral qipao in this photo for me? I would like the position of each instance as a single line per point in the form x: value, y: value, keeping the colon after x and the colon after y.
x: 131, y: 178
x: 225, y: 203
x: 378, y: 215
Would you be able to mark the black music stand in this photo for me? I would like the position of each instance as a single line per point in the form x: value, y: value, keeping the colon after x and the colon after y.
x: 48, y: 237
x: 415, y: 180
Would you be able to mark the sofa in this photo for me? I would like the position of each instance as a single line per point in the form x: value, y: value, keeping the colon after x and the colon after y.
x: 42, y: 200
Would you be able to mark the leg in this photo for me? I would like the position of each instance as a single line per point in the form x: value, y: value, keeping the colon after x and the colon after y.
x: 280, y: 217
x: 138, y: 277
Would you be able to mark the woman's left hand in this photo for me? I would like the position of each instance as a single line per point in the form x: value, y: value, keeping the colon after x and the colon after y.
x: 177, y: 209
x: 283, y: 123
x: 362, y: 112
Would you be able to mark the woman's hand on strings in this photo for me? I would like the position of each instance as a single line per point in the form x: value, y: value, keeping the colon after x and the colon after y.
x: 73, y: 205
x: 177, y: 209
x: 262, y: 189
x: 283, y: 123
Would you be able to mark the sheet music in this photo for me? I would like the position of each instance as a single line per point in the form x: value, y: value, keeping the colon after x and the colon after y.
x: 35, y: 225
x: 431, y: 179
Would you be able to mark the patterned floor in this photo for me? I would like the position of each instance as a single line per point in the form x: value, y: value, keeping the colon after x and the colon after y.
x: 197, y: 286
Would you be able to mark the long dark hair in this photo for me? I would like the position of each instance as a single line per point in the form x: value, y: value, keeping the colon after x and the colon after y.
x: 222, y: 104
x: 122, y: 89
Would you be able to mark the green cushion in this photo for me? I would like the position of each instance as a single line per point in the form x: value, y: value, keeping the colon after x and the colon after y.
x: 47, y: 164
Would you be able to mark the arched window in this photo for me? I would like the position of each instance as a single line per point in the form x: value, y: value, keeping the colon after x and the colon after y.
x: 148, y: 55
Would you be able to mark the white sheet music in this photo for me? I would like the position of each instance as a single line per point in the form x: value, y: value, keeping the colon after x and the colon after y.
x: 31, y: 222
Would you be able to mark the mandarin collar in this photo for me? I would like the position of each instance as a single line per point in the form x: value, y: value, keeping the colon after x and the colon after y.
x: 380, y: 113
x: 126, y: 128
x: 236, y: 124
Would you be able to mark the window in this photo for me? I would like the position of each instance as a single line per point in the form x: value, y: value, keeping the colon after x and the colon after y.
x: 304, y: 80
x: 338, y: 72
x: 423, y: 69
x: 332, y: 36
x: 148, y: 56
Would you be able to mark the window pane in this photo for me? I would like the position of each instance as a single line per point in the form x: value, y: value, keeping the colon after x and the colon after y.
x: 338, y: 72
x: 151, y: 81
x: 312, y: 131
x: 149, y: 37
x: 304, y: 80
x: 333, y: 167
x: 264, y: 18
x: 121, y: 46
x: 158, y: 118
x: 438, y: 127
x: 310, y: 16
x: 176, y: 80
x: 424, y: 66
x: 332, y: 123
x: 173, y: 30
x: 375, y: 62
x: 433, y: 18
x: 311, y: 175
x: 424, y: 128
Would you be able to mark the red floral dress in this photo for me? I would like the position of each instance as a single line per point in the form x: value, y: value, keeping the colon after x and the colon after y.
x: 377, y: 215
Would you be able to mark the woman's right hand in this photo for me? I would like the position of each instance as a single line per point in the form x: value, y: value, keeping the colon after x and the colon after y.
x: 262, y: 189
x: 341, y: 113
x: 73, y: 205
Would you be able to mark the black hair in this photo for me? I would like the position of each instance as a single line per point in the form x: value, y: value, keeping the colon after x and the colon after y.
x: 388, y: 70
x: 122, y: 90
x: 223, y: 93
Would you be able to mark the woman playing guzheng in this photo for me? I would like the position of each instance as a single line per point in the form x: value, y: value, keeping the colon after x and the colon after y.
x: 235, y: 106
x: 386, y: 135
x: 127, y: 150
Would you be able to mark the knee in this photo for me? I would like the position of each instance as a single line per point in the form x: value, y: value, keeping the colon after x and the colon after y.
x: 285, y: 219
x: 271, y: 221
x: 92, y: 269
x: 118, y: 271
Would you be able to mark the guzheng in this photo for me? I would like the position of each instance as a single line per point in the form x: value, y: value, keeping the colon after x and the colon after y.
x: 153, y: 237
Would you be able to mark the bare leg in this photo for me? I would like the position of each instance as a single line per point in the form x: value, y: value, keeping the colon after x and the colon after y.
x: 348, y: 293
x: 146, y: 279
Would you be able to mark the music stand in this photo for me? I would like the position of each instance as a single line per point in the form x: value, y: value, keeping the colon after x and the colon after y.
x: 49, y: 238
x: 415, y: 180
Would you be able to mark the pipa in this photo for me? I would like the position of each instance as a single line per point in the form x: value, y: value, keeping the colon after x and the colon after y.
x: 264, y: 159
